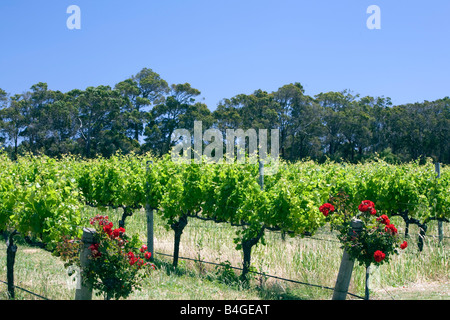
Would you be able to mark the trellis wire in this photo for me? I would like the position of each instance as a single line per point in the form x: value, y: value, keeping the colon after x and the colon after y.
x: 35, y: 294
x: 260, y: 273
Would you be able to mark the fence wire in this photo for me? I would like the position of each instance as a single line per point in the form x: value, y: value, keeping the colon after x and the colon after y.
x: 260, y: 273
x: 32, y: 293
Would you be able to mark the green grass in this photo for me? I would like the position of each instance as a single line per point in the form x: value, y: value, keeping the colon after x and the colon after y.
x: 316, y: 260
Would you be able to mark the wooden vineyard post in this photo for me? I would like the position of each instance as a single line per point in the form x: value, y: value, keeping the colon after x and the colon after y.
x: 440, y: 226
x: 150, y: 244
x: 437, y: 168
x: 150, y: 222
x: 10, y: 260
x: 366, y: 290
x: 84, y: 291
x: 346, y: 268
x: 261, y: 175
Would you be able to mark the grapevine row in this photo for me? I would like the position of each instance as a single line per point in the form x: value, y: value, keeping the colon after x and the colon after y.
x: 42, y: 197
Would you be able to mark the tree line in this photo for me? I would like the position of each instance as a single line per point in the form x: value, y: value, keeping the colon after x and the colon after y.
x: 139, y: 114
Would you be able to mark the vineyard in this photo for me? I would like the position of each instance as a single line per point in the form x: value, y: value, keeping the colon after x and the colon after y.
x: 44, y: 200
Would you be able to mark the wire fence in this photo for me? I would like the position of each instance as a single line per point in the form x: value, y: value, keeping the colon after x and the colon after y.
x: 27, y: 291
x: 239, y: 269
x: 216, y: 264
x: 251, y: 271
x: 259, y: 273
x: 219, y: 265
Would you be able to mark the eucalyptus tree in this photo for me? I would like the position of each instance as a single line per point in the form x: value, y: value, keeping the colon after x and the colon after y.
x: 98, y: 110
x: 177, y: 112
x: 140, y: 91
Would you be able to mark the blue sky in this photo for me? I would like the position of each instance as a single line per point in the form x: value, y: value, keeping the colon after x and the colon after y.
x: 228, y: 47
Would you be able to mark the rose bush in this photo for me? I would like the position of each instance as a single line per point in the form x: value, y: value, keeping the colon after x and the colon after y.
x: 119, y: 262
x: 375, y: 243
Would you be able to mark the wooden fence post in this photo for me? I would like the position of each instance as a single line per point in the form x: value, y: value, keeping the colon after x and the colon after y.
x: 10, y: 260
x: 261, y: 175
x: 150, y: 243
x: 440, y: 223
x: 84, y: 291
x: 440, y: 231
x: 366, y: 290
x: 150, y: 222
x: 346, y: 268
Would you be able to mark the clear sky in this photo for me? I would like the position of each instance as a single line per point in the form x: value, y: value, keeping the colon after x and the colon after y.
x: 228, y: 47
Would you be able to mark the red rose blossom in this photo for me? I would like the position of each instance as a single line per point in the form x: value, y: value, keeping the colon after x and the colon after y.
x: 118, y: 232
x: 94, y: 250
x: 147, y: 255
x: 384, y: 219
x: 326, y: 208
x: 132, y: 258
x: 390, y: 228
x: 404, y: 245
x: 101, y: 220
x: 143, y: 248
x: 379, y: 256
x: 107, y: 228
x: 367, y: 205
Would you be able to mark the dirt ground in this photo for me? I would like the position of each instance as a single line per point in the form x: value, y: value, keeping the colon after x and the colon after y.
x: 414, y: 291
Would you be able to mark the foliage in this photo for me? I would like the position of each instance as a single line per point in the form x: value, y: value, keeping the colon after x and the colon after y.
x: 39, y: 199
x: 119, y: 262
x: 375, y: 242
x: 42, y: 197
x: 141, y: 112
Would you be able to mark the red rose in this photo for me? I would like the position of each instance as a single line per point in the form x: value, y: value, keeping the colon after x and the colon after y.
x: 363, y: 207
x: 143, y: 248
x: 131, y: 258
x: 326, y: 208
x: 367, y: 205
x: 147, y: 255
x: 115, y: 233
x: 118, y: 232
x: 101, y: 220
x: 390, y: 228
x: 384, y: 219
x: 370, y: 203
x: 94, y: 250
x: 107, y: 228
x: 379, y: 256
x: 404, y: 245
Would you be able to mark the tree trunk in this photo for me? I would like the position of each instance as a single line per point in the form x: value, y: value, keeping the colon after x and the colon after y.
x: 127, y: 212
x: 88, y: 148
x: 247, y: 246
x: 178, y: 228
x: 422, y: 231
